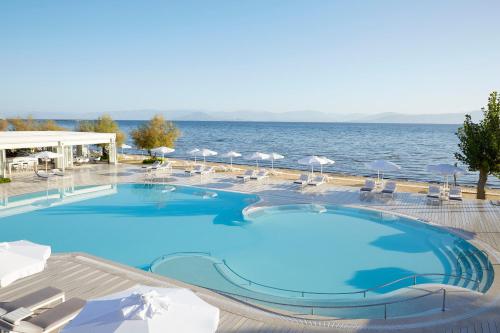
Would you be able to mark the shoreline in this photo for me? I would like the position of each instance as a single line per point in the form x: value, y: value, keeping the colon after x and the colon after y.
x: 334, y: 178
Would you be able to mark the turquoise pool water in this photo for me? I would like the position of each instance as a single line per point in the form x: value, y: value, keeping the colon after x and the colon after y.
x: 304, y: 247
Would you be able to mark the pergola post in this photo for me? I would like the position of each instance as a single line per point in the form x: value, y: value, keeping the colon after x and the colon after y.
x: 3, y: 163
x: 60, y: 161
x: 113, y: 158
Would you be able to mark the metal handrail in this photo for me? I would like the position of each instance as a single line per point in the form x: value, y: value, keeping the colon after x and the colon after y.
x: 163, y: 257
x: 475, y: 250
x: 364, y: 292
x: 312, y: 307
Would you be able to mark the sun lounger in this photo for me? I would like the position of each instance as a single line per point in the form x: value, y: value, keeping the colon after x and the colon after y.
x: 369, y: 186
x: 47, y: 321
x: 33, y: 301
x: 389, y: 188
x: 455, y: 193
x: 303, y: 179
x: 247, y: 175
x: 58, y: 172
x: 206, y: 170
x: 434, y: 192
x: 152, y: 166
x: 318, y: 180
x: 197, y: 169
x: 261, y: 174
x: 44, y: 174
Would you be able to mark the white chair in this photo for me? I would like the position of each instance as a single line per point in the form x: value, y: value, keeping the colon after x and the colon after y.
x: 369, y: 186
x: 247, y: 175
x: 318, y: 180
x: 261, y: 174
x: 303, y: 179
x: 455, y: 193
x: 434, y: 192
x: 389, y: 188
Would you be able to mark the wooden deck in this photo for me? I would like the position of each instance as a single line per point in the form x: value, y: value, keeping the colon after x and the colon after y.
x: 88, y: 277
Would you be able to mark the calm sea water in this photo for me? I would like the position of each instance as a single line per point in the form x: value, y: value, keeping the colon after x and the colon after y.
x: 412, y: 146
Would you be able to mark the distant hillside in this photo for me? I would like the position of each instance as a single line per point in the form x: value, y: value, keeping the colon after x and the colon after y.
x: 292, y: 116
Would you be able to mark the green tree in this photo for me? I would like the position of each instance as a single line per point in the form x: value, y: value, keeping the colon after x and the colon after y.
x: 103, y: 124
x: 480, y: 143
x: 28, y: 124
x: 155, y: 133
x: 49, y: 125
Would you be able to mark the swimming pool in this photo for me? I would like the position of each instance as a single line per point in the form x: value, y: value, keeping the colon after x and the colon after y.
x: 185, y: 230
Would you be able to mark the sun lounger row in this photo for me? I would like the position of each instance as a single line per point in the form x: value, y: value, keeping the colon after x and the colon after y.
x: 370, y: 186
x: 200, y: 170
x: 253, y: 174
x: 437, y: 192
x: 308, y: 179
x: 19, y: 315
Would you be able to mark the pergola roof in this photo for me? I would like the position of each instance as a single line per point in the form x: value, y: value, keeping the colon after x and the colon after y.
x: 34, y: 139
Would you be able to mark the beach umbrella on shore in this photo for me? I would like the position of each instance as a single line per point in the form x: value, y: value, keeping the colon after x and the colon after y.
x: 231, y: 155
x: 273, y: 157
x: 445, y: 170
x: 125, y: 146
x: 204, y: 153
x: 193, y: 152
x: 314, y: 160
x: 144, y: 309
x: 162, y: 150
x: 46, y: 156
x: 258, y: 156
x: 382, y: 165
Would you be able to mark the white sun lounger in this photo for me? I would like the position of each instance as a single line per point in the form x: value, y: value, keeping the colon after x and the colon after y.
x: 33, y: 301
x: 318, y: 180
x: 206, y: 170
x: 389, y: 188
x: 152, y: 166
x: 303, y: 179
x: 247, y: 175
x: 369, y: 186
x: 48, y: 321
x: 455, y: 193
x: 434, y: 192
x: 261, y: 174
x: 197, y: 169
x: 44, y: 174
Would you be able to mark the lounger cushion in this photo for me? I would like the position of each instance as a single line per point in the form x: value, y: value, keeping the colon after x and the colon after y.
x: 58, y: 315
x: 34, y: 300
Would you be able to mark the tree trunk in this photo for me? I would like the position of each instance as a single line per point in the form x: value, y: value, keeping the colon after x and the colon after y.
x: 483, y: 177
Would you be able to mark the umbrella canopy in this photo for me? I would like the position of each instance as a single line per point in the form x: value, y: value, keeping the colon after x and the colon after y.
x: 314, y: 160
x: 205, y: 153
x: 147, y: 309
x: 46, y: 156
x: 125, y: 146
x: 382, y: 165
x: 194, y: 152
x: 20, y: 259
x: 231, y: 155
x: 162, y: 150
x: 445, y: 170
x: 273, y: 157
x: 258, y: 156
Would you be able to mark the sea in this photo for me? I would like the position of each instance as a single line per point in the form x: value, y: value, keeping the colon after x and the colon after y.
x: 350, y: 145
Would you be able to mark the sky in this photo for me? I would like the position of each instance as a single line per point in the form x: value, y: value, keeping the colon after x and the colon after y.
x: 355, y: 56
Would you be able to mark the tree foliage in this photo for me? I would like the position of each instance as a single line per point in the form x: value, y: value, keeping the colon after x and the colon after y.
x: 103, y: 124
x: 30, y: 124
x: 480, y: 143
x: 156, y: 133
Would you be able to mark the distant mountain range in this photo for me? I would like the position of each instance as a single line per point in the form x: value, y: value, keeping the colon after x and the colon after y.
x: 292, y: 116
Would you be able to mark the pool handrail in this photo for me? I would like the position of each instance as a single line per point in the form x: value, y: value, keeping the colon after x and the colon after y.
x: 364, y: 291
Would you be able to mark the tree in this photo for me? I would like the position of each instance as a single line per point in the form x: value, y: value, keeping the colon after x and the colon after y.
x: 155, y: 133
x: 103, y: 124
x: 50, y: 125
x: 30, y: 124
x: 480, y: 143
x: 4, y: 124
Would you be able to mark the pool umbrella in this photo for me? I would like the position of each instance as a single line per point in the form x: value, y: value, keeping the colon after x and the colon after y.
x: 20, y: 259
x: 314, y: 160
x: 194, y: 153
x: 258, y: 156
x: 445, y: 170
x: 273, y: 157
x: 231, y: 155
x: 382, y: 165
x: 327, y: 160
x: 205, y: 153
x: 142, y: 309
x: 162, y: 150
x: 125, y: 146
x: 46, y: 156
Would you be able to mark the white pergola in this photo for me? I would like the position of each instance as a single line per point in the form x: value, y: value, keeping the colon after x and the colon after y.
x: 61, y: 142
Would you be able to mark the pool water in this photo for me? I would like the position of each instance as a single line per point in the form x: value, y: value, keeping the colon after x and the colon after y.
x: 302, y: 247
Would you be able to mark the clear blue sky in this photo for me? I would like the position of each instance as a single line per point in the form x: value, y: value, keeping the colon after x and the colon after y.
x: 332, y: 56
